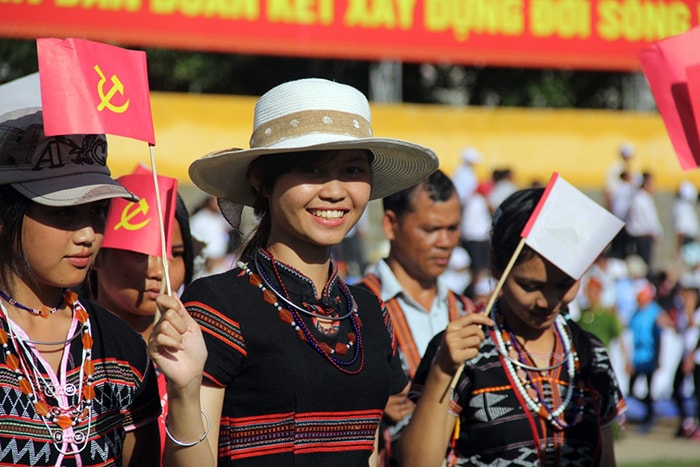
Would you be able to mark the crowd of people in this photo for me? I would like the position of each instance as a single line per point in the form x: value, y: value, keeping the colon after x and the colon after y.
x: 265, y: 336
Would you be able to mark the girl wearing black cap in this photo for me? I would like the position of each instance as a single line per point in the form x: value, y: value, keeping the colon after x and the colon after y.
x: 78, y: 387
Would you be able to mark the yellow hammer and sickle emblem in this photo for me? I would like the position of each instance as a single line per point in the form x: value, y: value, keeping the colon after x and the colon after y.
x: 117, y: 87
x: 130, y: 211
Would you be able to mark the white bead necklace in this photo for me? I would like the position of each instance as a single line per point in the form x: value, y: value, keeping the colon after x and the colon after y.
x: 540, y: 406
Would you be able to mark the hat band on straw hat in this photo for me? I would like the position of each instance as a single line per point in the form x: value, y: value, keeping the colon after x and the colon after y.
x: 312, y: 115
x: 295, y: 124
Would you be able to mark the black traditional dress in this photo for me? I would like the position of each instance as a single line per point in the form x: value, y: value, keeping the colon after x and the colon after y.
x: 287, y: 401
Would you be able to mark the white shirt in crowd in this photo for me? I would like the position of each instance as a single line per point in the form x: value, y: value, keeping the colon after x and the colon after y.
x: 643, y: 218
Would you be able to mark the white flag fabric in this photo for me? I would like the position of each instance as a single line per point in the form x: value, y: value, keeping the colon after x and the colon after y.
x: 20, y: 93
x: 568, y: 228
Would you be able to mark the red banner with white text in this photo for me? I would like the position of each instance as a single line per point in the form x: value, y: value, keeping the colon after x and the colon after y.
x: 588, y: 34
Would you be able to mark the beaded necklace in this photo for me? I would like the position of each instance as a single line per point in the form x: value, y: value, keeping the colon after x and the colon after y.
x: 284, y: 296
x: 34, y: 385
x: 289, y: 315
x: 44, y: 311
x: 523, y: 379
x: 510, y: 339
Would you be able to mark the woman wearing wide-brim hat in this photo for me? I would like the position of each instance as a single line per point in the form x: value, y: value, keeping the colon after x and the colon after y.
x: 297, y: 366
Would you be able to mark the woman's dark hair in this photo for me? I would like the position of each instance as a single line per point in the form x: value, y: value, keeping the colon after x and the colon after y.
x: 182, y: 217
x: 508, y: 223
x: 267, y: 169
x: 13, y: 207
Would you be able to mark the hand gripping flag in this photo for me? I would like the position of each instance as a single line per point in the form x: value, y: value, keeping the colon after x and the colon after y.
x: 89, y: 87
x: 668, y: 65
x: 568, y: 228
x: 134, y: 226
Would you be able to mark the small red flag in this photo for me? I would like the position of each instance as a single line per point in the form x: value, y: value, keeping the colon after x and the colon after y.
x: 666, y: 64
x: 88, y: 87
x: 134, y: 226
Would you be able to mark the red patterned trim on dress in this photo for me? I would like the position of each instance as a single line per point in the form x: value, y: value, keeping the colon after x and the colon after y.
x: 219, y: 326
x: 210, y: 378
x: 299, y: 433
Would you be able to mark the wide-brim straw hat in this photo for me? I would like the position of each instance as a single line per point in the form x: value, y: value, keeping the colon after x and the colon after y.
x: 313, y: 115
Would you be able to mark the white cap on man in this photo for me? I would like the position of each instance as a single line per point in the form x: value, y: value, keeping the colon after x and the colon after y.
x: 471, y: 155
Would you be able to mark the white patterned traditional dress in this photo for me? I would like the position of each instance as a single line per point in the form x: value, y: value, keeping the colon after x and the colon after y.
x: 126, y: 397
x: 496, y: 427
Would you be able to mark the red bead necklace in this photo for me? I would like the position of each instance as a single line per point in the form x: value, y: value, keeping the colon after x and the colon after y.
x: 290, y: 315
x: 20, y: 358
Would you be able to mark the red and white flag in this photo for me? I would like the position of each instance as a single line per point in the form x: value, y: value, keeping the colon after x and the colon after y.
x: 135, y: 226
x: 90, y: 87
x: 568, y: 228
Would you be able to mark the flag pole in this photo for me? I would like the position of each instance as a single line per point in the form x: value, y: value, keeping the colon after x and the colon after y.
x: 487, y: 309
x: 161, y: 226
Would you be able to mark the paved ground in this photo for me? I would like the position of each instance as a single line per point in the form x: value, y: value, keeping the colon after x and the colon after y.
x: 659, y: 444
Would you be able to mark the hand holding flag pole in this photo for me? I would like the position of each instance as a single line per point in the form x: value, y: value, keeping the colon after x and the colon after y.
x: 568, y: 229
x: 487, y: 309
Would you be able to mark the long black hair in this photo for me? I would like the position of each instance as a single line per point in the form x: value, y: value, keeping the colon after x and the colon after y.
x: 182, y: 217
x: 13, y: 206
x: 508, y: 223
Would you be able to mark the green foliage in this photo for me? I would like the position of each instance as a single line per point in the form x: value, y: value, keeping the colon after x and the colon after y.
x: 17, y: 59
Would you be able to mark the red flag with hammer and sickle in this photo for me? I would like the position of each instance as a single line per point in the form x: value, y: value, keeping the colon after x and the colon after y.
x: 133, y: 225
x: 89, y: 87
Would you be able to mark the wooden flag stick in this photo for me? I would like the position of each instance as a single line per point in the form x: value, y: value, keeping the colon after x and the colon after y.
x: 487, y: 309
x: 161, y: 228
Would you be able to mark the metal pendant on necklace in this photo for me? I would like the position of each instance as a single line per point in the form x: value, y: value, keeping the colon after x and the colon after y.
x: 326, y: 326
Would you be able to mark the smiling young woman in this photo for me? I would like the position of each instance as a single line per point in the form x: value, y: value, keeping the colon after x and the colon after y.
x: 297, y: 366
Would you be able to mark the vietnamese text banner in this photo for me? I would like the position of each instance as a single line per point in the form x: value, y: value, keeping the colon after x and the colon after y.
x: 591, y: 34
